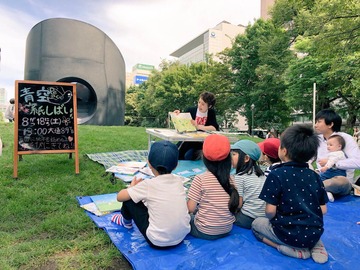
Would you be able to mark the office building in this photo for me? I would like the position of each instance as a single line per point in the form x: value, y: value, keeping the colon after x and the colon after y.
x: 266, y: 5
x: 212, y: 41
x: 140, y: 73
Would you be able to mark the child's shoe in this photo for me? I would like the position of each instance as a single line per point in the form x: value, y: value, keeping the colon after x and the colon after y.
x: 120, y: 220
x: 330, y: 196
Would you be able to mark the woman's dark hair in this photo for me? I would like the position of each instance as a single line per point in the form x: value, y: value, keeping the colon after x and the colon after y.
x: 249, y: 167
x: 300, y: 142
x: 208, y: 98
x: 330, y: 116
x: 221, y: 169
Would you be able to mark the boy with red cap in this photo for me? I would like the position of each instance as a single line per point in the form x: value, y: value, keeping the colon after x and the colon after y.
x: 213, y: 198
x: 269, y: 148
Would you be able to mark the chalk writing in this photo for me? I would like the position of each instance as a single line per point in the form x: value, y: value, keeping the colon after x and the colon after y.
x: 45, y: 117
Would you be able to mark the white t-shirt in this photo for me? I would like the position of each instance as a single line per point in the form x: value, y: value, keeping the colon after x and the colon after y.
x: 165, y: 198
x: 201, y: 117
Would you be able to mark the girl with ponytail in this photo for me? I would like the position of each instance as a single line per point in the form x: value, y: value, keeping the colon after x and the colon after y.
x: 213, y: 199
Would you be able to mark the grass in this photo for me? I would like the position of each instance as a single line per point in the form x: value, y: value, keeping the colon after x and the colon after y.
x: 42, y: 226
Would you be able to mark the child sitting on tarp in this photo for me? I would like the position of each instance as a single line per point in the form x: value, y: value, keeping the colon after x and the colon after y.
x: 158, y: 205
x: 213, y: 198
x: 269, y: 148
x: 295, y: 200
x: 249, y: 179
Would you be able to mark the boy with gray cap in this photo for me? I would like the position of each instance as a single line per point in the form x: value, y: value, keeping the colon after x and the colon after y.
x: 158, y: 205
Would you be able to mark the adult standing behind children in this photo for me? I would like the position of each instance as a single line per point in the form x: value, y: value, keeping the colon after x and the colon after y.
x: 10, y: 109
x: 295, y: 199
x: 328, y: 123
x: 204, y: 119
x: 158, y: 205
x: 212, y: 197
x: 249, y: 179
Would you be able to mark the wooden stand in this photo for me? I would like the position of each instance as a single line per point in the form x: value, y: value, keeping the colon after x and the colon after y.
x: 45, y: 120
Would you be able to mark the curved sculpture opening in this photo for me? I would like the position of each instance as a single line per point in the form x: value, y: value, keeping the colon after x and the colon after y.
x: 86, y: 99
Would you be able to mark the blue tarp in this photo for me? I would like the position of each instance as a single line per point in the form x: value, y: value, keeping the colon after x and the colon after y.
x: 240, y: 250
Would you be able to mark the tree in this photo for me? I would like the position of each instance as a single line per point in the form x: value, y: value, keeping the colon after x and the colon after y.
x: 178, y: 86
x: 259, y: 58
x: 327, y: 31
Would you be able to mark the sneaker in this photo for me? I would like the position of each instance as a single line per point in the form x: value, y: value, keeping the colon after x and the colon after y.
x: 120, y: 220
x: 330, y: 196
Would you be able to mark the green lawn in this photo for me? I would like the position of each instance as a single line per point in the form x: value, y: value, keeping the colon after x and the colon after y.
x: 42, y: 226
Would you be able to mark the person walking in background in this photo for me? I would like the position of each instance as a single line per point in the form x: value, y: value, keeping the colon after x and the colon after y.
x: 204, y: 119
x: 356, y: 135
x: 10, y: 110
x: 157, y: 206
x: 327, y: 124
x: 212, y: 198
x: 295, y: 200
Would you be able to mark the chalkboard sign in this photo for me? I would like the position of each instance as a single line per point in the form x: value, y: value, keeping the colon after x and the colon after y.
x: 45, y: 119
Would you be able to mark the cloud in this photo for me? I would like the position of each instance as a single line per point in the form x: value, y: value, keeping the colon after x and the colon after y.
x: 145, y: 31
x: 14, y: 28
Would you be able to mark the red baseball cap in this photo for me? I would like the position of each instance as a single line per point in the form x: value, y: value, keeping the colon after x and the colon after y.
x: 216, y: 147
x: 270, y: 147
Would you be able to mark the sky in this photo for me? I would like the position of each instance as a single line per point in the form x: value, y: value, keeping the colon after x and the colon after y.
x: 145, y: 31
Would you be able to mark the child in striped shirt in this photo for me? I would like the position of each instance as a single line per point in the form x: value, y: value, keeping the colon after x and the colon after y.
x: 213, y: 198
x: 249, y: 181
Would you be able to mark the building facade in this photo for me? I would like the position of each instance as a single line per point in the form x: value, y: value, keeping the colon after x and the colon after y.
x: 140, y: 73
x: 212, y: 41
x: 266, y: 5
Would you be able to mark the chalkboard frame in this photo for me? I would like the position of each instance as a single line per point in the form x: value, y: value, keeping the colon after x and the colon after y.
x: 61, y: 103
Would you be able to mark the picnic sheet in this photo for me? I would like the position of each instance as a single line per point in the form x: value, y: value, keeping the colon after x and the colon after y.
x: 185, y: 168
x: 240, y: 250
x: 109, y: 159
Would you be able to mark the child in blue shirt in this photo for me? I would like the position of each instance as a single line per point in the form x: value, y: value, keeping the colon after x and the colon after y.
x: 295, y: 199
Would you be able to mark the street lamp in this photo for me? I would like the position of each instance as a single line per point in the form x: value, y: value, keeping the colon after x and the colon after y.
x: 252, y: 119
